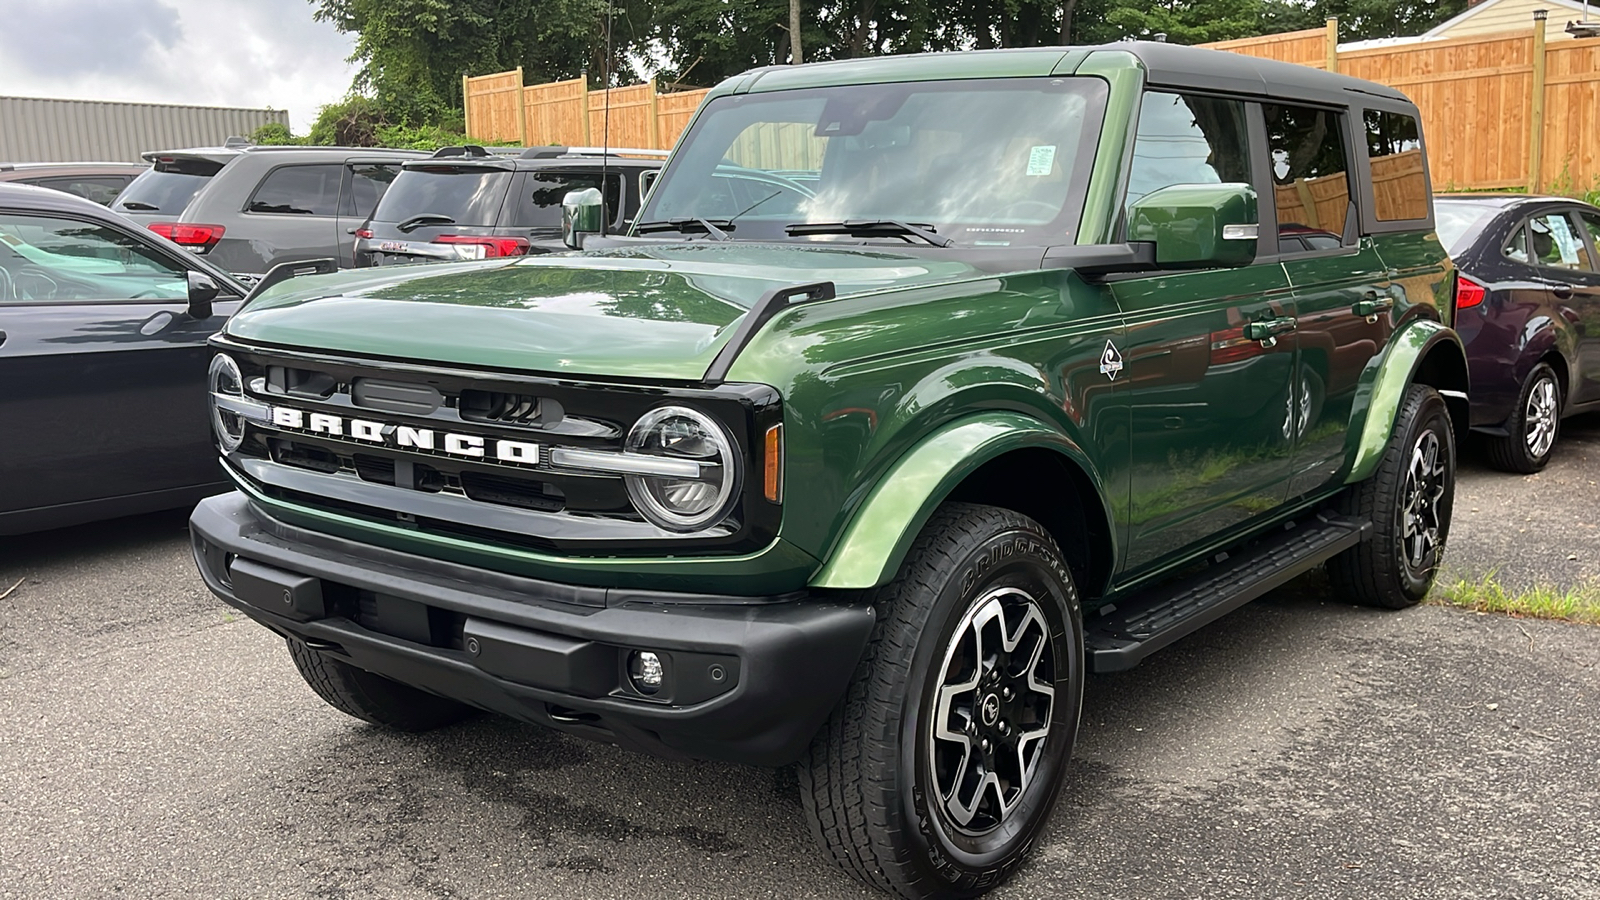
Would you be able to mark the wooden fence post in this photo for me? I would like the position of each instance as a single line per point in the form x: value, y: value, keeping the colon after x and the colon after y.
x: 1332, y: 58
x: 655, y: 119
x: 583, y: 109
x: 522, y: 108
x: 1536, y: 116
x: 466, y: 105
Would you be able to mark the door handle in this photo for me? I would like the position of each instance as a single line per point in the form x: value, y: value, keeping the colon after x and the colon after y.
x: 1267, y: 330
x: 2, y: 338
x: 1369, y: 307
x: 1561, y: 291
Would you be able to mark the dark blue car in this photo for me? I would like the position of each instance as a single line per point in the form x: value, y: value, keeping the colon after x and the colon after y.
x: 1528, y: 310
x: 103, y: 408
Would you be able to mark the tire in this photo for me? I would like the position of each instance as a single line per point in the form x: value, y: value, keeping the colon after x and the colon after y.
x: 1535, y: 424
x: 883, y: 795
x: 373, y: 698
x: 1408, y: 501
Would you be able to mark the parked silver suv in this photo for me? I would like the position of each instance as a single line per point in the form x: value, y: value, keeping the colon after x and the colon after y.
x: 248, y: 208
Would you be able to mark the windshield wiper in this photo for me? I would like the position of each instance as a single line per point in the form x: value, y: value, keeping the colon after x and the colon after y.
x: 421, y: 219
x: 869, y: 228
x: 138, y: 204
x: 687, y: 224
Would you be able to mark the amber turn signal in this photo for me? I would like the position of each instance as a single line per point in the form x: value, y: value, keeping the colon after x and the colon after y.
x: 773, y: 460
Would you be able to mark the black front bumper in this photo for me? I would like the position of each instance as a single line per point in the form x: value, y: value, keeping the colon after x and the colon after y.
x: 746, y: 679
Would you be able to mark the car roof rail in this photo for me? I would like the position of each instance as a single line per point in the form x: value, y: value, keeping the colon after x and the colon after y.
x: 471, y: 150
x: 235, y: 142
x: 616, y: 151
x: 544, y: 152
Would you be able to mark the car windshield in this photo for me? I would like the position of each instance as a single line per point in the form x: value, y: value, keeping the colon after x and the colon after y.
x: 167, y: 187
x: 465, y: 195
x: 1456, y: 220
x: 989, y: 162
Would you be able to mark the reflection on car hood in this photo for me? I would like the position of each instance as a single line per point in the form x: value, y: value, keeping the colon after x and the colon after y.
x: 649, y: 311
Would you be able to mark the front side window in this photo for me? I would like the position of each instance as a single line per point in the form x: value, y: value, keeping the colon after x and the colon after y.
x: 1188, y: 140
x: 1555, y: 243
x: 45, y: 259
x: 539, y: 198
x: 985, y: 162
x: 1399, y: 182
x: 1310, y: 174
x: 299, y: 191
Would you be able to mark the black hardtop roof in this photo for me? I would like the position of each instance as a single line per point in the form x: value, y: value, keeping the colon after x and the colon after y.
x: 1176, y: 65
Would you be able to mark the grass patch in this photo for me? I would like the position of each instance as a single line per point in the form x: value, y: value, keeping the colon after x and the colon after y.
x: 1580, y: 603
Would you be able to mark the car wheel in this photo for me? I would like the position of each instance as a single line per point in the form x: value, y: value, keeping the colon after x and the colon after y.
x: 1408, y: 501
x: 373, y: 698
x: 937, y: 772
x: 1534, y: 425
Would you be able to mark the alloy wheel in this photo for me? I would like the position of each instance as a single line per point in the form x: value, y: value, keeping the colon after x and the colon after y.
x: 1424, y: 487
x: 1539, y: 428
x: 993, y: 710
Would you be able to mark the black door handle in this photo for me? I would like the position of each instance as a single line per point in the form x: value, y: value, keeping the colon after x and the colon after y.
x: 1561, y: 291
x: 2, y: 338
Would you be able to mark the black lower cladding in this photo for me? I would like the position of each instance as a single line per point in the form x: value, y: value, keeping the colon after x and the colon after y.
x: 747, y: 680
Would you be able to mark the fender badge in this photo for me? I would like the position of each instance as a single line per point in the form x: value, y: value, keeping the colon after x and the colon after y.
x: 1110, y: 361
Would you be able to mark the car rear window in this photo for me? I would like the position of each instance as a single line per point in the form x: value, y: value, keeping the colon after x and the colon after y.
x: 167, y: 187
x: 469, y: 195
x: 1457, y: 222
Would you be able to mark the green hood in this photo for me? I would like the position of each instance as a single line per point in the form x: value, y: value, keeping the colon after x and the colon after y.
x: 658, y: 311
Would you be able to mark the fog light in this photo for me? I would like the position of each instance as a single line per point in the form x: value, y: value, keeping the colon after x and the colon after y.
x: 644, y: 668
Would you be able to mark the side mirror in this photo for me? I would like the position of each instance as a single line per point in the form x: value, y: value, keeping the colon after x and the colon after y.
x: 202, y: 290
x: 1197, y: 226
x: 582, y: 213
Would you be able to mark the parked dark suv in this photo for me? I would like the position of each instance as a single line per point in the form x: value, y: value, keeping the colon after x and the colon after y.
x: 248, y: 208
x: 471, y: 203
x: 100, y: 182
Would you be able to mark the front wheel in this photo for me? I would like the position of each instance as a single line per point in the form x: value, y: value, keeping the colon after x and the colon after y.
x: 937, y: 772
x: 1408, y: 501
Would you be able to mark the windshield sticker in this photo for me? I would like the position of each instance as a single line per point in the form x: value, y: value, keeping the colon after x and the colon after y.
x: 1041, y: 159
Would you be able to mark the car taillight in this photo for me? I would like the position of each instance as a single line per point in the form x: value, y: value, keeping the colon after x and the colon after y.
x: 1230, y: 345
x: 198, y: 238
x: 474, y: 246
x: 363, y: 232
x: 1469, y: 293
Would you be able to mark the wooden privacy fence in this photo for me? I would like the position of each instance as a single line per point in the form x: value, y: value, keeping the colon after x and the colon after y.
x: 1502, y: 110
x: 500, y: 108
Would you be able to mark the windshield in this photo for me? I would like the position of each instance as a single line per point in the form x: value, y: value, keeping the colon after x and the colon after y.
x: 1454, y: 219
x: 168, y: 187
x: 990, y: 162
x: 467, y: 195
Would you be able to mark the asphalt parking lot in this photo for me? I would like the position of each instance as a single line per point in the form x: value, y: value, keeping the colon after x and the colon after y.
x: 154, y: 745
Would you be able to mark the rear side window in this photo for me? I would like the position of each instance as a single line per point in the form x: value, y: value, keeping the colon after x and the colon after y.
x: 539, y: 198
x: 1399, y: 182
x: 1310, y: 174
x: 298, y: 191
x: 1516, y: 248
x: 1555, y: 243
x: 1185, y: 139
x: 167, y: 187
x: 102, y: 189
x: 368, y: 182
x: 467, y: 195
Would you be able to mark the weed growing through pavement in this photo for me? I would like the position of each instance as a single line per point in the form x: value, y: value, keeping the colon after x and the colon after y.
x: 1579, y: 603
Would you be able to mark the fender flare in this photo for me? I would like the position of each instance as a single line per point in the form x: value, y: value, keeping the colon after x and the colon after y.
x: 1383, y: 392
x: 874, y: 544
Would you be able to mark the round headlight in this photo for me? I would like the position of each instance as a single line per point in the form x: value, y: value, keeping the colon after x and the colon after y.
x: 226, y: 382
x: 691, y: 501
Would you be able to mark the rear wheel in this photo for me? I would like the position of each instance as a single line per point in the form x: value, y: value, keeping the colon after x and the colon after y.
x: 1534, y: 425
x: 936, y: 774
x: 373, y: 698
x: 1408, y: 501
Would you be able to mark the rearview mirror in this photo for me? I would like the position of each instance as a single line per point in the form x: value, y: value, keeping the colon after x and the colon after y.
x: 582, y: 213
x: 1197, y: 226
x: 202, y: 290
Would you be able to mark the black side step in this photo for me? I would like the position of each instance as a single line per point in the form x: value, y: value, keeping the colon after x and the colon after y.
x: 1126, y: 633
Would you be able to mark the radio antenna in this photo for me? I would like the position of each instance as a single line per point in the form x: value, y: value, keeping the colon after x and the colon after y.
x: 605, y: 130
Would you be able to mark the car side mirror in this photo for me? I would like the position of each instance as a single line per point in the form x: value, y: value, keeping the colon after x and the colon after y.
x: 202, y: 290
x: 582, y: 213
x: 1197, y: 226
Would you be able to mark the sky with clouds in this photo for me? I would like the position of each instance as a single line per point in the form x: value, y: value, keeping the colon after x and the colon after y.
x: 251, y: 53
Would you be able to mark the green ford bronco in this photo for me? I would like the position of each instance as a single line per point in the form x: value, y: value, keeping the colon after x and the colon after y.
x: 920, y: 388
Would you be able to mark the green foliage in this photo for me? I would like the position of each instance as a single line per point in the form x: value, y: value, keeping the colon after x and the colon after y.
x: 274, y: 134
x: 1577, y: 603
x: 425, y: 137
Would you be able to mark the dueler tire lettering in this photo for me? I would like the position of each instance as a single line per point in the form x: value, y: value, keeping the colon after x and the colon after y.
x: 883, y: 782
x: 1408, y: 501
